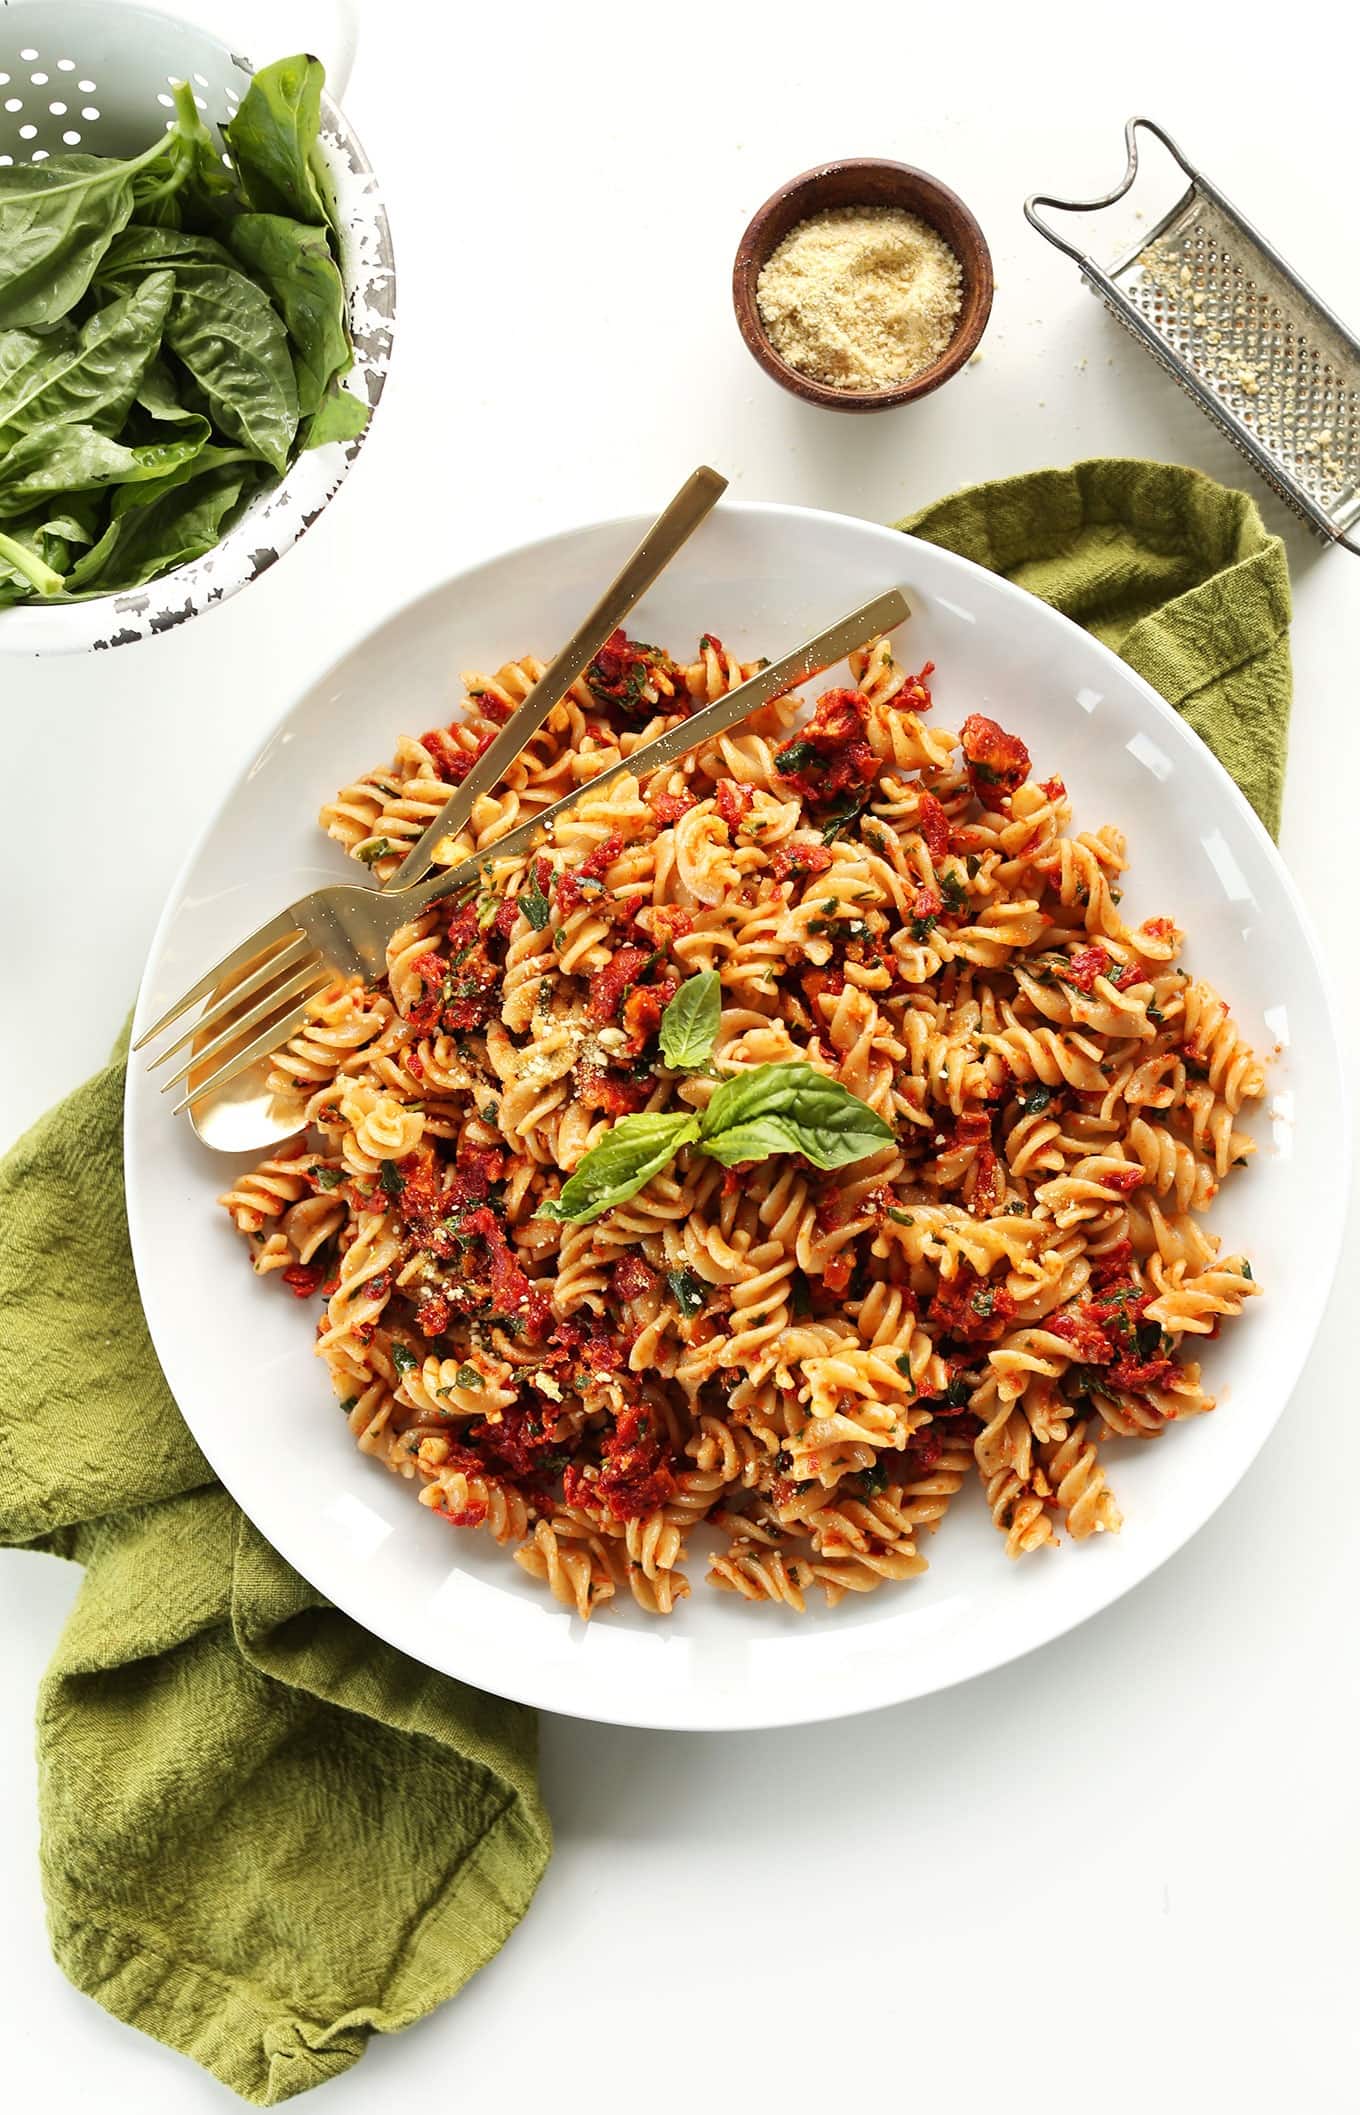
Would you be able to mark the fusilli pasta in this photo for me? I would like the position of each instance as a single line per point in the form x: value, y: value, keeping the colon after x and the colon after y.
x: 801, y: 1366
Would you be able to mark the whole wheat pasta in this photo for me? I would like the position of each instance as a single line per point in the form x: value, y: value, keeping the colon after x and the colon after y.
x: 780, y: 1374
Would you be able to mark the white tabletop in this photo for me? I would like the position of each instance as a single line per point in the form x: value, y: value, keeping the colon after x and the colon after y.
x: 1122, y: 1870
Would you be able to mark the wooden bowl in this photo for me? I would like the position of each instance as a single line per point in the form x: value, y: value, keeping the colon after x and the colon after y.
x: 865, y: 182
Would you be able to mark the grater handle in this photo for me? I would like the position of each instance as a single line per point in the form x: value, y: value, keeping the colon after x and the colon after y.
x: 1111, y: 198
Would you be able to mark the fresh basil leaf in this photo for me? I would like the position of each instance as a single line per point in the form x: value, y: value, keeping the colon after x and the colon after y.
x: 19, y: 349
x: 61, y: 459
x: 294, y: 264
x: 67, y: 526
x: 689, y: 1026
x: 789, y: 1108
x: 404, y: 1359
x: 92, y: 378
x: 627, y: 1157
x: 52, y: 534
x: 342, y: 417
x: 158, y: 394
x: 225, y: 330
x: 57, y: 218
x: 143, y: 249
x: 181, y: 520
x: 273, y: 139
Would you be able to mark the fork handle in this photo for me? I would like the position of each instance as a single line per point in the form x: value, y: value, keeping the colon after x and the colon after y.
x: 821, y: 651
x: 695, y: 499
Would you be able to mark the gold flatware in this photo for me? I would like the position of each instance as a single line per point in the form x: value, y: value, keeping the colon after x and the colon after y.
x: 243, y: 1116
x: 695, y: 499
x: 343, y: 931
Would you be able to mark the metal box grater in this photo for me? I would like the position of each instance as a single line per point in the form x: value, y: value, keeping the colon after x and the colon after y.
x: 1219, y: 308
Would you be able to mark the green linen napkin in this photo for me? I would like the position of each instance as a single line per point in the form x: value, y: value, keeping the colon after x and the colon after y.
x: 1175, y: 572
x: 264, y: 1834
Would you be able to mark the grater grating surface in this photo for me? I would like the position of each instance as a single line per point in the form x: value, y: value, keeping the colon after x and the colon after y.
x: 1224, y: 315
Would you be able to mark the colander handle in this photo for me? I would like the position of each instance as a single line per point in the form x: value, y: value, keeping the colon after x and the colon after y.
x: 262, y: 30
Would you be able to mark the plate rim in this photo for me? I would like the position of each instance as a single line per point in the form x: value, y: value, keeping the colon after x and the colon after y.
x: 893, y: 1679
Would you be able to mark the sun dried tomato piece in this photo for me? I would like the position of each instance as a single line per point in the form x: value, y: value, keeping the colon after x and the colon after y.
x: 933, y: 824
x: 971, y: 1308
x: 669, y: 807
x: 1135, y: 1375
x: 517, y: 1441
x: 634, y: 1476
x: 631, y: 1277
x: 1083, y: 967
x: 829, y: 755
x: 642, y: 1011
x: 670, y: 921
x: 819, y: 983
x: 1078, y: 1328
x: 1113, y: 1267
x: 613, y: 1092
x: 433, y: 1313
x: 452, y: 762
x: 836, y: 1275
x: 733, y: 803
x: 608, y: 986
x: 596, y: 864
x: 794, y: 860
x: 624, y: 675
x: 997, y: 762
x: 302, y: 1279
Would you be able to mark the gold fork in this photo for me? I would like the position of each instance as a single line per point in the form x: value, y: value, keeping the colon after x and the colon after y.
x: 248, y: 1119
x: 344, y: 931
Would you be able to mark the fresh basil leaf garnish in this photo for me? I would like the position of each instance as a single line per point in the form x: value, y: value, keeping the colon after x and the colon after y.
x: 689, y: 1026
x: 627, y: 1157
x: 790, y: 1108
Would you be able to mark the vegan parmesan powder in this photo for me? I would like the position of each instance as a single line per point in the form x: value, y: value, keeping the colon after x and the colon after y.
x: 860, y: 297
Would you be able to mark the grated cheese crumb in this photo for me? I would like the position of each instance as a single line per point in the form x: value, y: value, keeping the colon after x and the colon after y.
x: 861, y: 297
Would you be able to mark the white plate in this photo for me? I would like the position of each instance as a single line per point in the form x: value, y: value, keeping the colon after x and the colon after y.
x: 237, y: 1352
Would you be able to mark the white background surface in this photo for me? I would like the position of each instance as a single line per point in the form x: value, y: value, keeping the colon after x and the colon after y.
x: 1124, y: 1869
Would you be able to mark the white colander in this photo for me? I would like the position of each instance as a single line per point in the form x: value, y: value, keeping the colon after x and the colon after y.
x: 96, y: 75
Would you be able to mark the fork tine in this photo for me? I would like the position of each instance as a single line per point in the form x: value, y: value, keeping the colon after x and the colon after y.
x: 311, y: 977
x: 285, y: 959
x: 268, y: 1039
x: 272, y: 930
